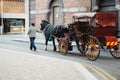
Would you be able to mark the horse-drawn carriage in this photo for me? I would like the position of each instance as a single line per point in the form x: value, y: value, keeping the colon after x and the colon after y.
x: 92, y: 32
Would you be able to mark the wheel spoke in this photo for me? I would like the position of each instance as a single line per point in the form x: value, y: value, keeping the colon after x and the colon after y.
x: 115, y: 51
x: 92, y: 48
x: 63, y: 46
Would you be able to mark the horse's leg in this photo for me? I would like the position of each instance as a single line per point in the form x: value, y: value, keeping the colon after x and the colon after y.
x: 46, y: 42
x: 54, y: 44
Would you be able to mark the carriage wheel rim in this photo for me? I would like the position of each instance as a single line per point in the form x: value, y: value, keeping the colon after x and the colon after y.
x: 63, y: 46
x: 92, y: 53
x: 92, y: 47
x: 115, y: 52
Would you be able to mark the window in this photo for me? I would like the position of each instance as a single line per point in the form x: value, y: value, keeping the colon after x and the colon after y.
x: 16, y: 22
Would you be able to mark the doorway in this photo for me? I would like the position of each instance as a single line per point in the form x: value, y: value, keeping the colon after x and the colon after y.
x: 57, y: 20
x: 55, y: 16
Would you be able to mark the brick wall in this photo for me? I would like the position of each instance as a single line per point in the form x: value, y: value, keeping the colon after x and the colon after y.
x: 68, y: 9
x: 38, y: 19
x: 13, y: 6
x: 80, y: 5
x: 76, y: 3
x: 41, y: 4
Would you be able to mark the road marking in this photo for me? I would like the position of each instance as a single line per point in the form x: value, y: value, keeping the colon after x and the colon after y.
x: 106, y: 73
x: 103, y: 74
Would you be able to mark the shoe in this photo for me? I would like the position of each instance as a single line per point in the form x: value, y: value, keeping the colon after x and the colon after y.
x: 30, y: 48
x: 35, y: 49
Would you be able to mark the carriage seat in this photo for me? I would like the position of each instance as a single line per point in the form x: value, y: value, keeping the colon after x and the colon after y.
x: 81, y: 27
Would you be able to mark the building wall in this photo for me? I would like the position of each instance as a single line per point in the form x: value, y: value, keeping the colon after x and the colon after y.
x: 12, y: 6
x: 40, y: 8
x: 43, y: 10
x: 71, y: 7
x: 14, y: 9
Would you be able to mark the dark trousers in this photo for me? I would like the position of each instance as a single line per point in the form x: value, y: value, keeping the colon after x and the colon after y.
x: 32, y: 44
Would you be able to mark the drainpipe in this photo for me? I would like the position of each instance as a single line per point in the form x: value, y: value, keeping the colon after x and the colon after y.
x: 1, y: 27
x: 118, y: 8
x: 27, y: 16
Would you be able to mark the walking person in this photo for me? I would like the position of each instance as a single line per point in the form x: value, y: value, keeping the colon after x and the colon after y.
x: 32, y: 35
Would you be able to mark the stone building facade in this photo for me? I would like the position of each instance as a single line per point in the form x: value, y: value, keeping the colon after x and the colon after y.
x: 14, y: 15
x: 61, y: 11
x: 58, y: 12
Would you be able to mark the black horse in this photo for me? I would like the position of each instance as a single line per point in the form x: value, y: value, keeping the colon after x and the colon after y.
x: 52, y: 31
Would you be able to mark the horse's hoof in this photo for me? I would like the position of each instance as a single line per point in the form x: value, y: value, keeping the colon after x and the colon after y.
x: 54, y: 50
x: 58, y: 51
x: 45, y: 49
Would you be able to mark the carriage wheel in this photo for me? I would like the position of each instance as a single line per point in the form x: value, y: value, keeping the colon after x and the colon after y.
x: 115, y: 51
x: 92, y: 48
x: 63, y: 46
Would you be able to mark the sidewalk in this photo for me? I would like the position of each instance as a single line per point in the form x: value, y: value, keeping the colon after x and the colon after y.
x: 25, y: 38
x: 24, y: 66
x: 17, y: 66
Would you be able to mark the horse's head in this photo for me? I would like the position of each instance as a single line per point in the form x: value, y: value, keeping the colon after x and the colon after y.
x: 43, y: 24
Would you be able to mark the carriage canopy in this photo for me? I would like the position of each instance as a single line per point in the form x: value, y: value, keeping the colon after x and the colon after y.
x: 102, y: 18
x: 83, y: 15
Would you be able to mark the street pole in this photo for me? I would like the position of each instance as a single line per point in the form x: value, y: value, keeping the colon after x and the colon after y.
x: 27, y: 16
x: 1, y: 27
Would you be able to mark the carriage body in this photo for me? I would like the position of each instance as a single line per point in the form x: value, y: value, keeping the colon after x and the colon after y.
x: 105, y: 29
x: 93, y: 31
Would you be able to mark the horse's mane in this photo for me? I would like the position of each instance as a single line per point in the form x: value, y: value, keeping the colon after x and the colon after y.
x: 45, y: 21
